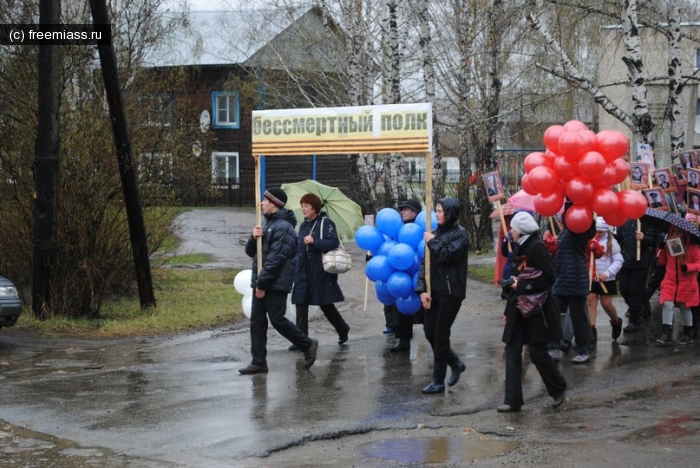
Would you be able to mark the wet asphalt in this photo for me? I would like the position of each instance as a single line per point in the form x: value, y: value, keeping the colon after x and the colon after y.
x: 179, y: 401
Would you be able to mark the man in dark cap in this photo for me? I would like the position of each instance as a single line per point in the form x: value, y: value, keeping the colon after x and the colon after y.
x: 402, y: 325
x: 274, y: 281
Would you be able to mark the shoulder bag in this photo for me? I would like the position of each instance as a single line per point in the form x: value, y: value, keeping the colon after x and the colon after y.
x: 531, y: 304
x: 336, y: 261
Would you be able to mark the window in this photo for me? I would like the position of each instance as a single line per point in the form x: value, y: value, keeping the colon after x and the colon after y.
x: 697, y: 59
x: 156, y: 167
x: 697, y: 116
x: 156, y: 110
x: 224, y: 168
x: 225, y: 109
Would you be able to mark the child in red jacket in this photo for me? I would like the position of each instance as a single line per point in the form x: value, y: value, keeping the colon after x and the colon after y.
x: 679, y: 287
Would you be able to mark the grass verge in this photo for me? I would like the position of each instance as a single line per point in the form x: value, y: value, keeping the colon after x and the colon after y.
x: 187, y: 299
x: 483, y: 273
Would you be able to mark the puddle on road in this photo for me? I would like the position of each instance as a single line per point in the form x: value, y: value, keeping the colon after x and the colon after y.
x: 435, y: 449
x: 673, y: 429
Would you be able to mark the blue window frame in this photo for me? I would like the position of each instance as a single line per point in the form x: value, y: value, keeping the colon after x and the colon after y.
x: 226, y: 111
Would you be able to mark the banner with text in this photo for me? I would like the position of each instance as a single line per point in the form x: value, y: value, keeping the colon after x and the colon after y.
x: 394, y: 128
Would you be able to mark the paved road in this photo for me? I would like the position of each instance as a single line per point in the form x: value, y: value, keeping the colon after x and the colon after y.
x: 179, y: 401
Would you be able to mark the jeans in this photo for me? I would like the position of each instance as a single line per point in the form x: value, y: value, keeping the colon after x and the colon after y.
x: 633, y: 289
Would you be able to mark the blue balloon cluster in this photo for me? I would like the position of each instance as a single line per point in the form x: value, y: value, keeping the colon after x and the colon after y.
x: 397, y: 250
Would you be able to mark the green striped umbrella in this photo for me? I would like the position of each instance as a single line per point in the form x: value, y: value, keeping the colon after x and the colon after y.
x: 345, y: 213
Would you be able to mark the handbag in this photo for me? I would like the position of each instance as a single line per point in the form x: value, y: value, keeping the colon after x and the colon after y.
x: 531, y: 304
x: 336, y: 261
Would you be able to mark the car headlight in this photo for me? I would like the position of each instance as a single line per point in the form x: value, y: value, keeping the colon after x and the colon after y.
x: 8, y: 291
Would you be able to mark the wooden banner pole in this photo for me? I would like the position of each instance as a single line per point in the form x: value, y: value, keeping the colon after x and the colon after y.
x: 258, y: 208
x: 428, y: 212
x: 503, y: 224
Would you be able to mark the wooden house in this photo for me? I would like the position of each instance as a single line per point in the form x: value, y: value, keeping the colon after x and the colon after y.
x: 223, y: 54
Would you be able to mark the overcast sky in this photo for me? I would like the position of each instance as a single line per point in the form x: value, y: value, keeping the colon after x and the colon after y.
x: 212, y: 4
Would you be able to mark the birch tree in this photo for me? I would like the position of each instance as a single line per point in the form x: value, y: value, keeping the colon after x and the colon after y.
x: 662, y: 18
x: 394, y: 174
x: 428, y: 66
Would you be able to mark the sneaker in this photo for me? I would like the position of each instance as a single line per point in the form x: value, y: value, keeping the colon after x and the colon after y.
x: 686, y: 339
x: 310, y: 354
x: 555, y: 354
x: 665, y: 338
x: 631, y: 327
x: 616, y: 329
x: 581, y: 358
x: 293, y: 348
x: 388, y: 330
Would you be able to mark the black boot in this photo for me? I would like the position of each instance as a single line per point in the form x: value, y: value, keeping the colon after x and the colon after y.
x: 457, y: 367
x: 667, y: 335
x: 696, y: 320
x: 438, y: 383
x: 687, y: 335
x: 404, y: 345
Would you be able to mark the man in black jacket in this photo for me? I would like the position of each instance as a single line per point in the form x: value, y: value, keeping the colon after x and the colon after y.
x: 403, y: 331
x: 274, y: 281
x: 633, y: 275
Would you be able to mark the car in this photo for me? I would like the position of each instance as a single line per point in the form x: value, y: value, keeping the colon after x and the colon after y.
x: 10, y: 303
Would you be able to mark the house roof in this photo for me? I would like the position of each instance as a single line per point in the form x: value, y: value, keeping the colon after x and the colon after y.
x: 221, y: 37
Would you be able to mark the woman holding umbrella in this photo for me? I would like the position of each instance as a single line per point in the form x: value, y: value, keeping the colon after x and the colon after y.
x: 312, y: 284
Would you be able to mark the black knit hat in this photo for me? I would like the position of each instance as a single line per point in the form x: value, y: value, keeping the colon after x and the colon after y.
x: 276, y: 196
x: 412, y: 204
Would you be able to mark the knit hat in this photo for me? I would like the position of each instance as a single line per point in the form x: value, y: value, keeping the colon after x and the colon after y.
x: 601, y: 225
x: 412, y: 204
x: 276, y: 196
x: 523, y: 223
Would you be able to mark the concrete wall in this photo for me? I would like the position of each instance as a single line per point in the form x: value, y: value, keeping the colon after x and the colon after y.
x: 655, y: 55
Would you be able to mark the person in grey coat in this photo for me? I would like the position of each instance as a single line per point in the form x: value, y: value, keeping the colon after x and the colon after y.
x: 274, y: 281
x: 537, y: 330
x: 312, y: 284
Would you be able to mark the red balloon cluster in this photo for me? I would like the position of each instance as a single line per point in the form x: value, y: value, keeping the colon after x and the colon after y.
x: 582, y: 166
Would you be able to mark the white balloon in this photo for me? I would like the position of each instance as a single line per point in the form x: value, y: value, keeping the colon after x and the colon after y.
x: 313, y: 310
x: 291, y: 312
x: 241, y: 282
x: 247, y: 304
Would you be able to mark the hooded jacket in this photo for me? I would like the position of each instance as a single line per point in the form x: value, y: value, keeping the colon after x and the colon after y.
x: 449, y: 256
x: 279, y: 245
x: 679, y: 285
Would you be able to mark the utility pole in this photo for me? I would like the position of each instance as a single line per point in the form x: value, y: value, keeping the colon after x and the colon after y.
x: 122, y: 140
x: 45, y: 196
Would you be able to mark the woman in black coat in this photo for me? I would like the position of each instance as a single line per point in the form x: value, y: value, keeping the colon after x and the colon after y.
x: 312, y: 284
x: 536, y: 330
x: 449, y: 256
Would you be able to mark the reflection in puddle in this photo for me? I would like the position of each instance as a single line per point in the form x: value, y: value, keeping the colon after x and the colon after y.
x: 435, y: 449
x: 643, y: 393
x: 673, y: 428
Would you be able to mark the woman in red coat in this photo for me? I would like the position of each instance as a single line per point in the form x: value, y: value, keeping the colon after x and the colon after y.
x: 679, y: 287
